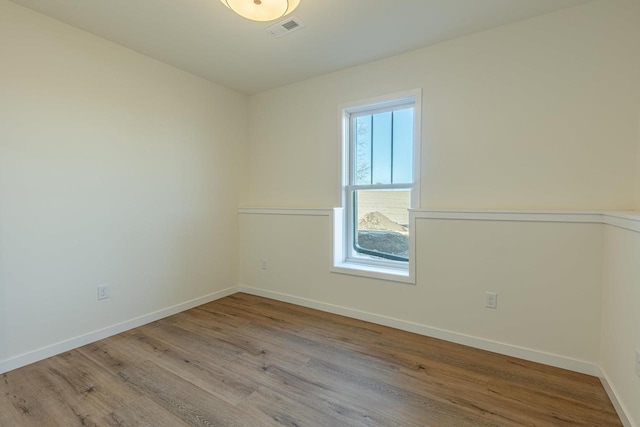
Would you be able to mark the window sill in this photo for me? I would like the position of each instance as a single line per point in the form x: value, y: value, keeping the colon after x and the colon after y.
x: 374, y: 272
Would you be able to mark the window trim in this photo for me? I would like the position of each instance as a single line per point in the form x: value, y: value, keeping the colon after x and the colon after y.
x: 397, y: 271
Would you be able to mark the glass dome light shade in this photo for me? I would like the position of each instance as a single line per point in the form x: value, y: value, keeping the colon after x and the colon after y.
x: 261, y: 10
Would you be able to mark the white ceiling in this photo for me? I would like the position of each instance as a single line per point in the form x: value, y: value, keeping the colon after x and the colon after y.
x: 207, y: 39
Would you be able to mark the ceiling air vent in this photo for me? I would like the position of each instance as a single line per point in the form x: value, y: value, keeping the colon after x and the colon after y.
x: 285, y: 27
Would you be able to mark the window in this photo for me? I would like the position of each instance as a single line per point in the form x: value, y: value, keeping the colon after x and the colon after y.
x: 379, y: 186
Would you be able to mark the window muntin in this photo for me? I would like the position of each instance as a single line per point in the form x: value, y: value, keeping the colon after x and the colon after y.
x: 379, y: 190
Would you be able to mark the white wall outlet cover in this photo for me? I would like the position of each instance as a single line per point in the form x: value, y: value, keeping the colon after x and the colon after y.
x: 491, y: 300
x: 103, y: 292
x: 638, y: 363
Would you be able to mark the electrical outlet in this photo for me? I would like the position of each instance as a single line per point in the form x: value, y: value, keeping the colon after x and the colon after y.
x: 491, y: 300
x: 103, y: 292
x: 264, y: 263
x: 638, y: 363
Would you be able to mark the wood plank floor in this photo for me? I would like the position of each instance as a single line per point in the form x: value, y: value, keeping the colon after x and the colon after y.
x: 250, y: 361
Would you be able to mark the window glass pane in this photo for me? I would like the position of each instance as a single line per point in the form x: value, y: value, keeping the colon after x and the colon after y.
x: 382, y: 148
x: 403, y: 146
x: 362, y: 150
x: 381, y: 224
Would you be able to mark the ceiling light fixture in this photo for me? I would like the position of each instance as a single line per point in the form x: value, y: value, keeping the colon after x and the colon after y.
x: 261, y: 10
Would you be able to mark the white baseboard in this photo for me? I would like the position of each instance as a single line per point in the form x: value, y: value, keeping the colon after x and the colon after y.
x: 66, y: 345
x: 458, y: 338
x: 481, y: 343
x: 484, y: 344
x: 615, y: 400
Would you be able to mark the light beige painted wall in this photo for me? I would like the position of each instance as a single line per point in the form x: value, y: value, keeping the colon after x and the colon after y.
x: 638, y: 166
x: 547, y: 276
x: 621, y: 315
x: 540, y: 114
x: 114, y: 168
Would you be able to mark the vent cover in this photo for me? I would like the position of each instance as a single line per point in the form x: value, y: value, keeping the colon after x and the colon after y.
x: 285, y: 27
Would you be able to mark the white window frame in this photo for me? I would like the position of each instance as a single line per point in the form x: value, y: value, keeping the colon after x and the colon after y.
x: 397, y: 271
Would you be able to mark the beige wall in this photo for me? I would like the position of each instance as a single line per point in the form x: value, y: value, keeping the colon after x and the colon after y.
x: 621, y: 315
x: 638, y: 166
x: 547, y: 276
x: 114, y: 168
x: 541, y: 114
